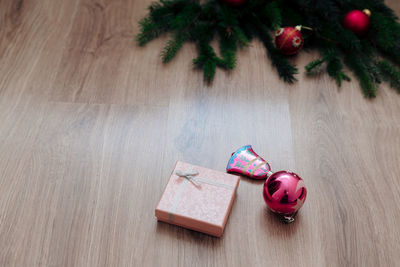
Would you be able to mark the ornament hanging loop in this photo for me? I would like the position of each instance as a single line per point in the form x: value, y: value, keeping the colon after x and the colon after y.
x: 300, y: 27
x: 289, y: 218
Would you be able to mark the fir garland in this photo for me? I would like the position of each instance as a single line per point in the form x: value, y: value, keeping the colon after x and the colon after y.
x: 372, y: 58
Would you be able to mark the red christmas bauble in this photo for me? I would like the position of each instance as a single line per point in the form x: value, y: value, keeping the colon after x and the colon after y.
x: 288, y: 40
x: 357, y: 21
x: 234, y: 2
x: 284, y: 193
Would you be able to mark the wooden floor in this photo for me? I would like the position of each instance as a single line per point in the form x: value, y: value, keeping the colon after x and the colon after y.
x: 91, y: 126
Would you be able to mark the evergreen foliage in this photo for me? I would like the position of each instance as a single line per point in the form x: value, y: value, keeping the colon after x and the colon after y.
x: 372, y: 58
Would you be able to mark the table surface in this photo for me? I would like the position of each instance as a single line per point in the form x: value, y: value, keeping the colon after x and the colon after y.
x: 91, y: 126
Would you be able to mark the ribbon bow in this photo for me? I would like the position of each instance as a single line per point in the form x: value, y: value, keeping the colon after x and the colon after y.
x: 189, y: 175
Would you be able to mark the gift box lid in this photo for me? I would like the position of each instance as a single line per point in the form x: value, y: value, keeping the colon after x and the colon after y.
x: 201, y: 202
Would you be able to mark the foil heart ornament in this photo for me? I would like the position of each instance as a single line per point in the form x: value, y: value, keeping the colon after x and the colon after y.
x: 246, y: 162
x: 284, y: 193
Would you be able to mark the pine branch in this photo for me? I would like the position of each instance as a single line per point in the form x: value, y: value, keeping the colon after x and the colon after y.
x: 379, y: 6
x: 209, y: 67
x: 207, y: 60
x: 292, y: 16
x: 160, y: 16
x: 314, y: 65
x: 390, y: 73
x: 273, y: 13
x: 240, y: 36
x: 384, y: 31
x: 357, y: 65
x: 186, y: 17
x: 227, y: 46
x: 200, y: 22
x: 334, y: 65
x: 172, y: 47
x: 182, y: 24
x: 247, y: 28
x: 285, y: 69
x: 386, y: 34
x: 148, y: 31
x: 348, y: 40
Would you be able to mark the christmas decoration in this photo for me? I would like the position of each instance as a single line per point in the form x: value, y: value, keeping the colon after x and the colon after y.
x: 234, y: 2
x: 198, y: 198
x: 284, y: 193
x: 357, y: 21
x: 288, y: 40
x: 372, y: 57
x: 245, y: 161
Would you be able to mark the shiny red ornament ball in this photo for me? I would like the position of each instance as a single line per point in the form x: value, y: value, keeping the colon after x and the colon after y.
x: 284, y: 193
x: 357, y: 21
x: 289, y: 40
x: 234, y: 2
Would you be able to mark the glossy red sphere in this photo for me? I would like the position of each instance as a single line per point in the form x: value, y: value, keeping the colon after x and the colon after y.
x: 356, y: 21
x: 284, y: 192
x: 288, y: 40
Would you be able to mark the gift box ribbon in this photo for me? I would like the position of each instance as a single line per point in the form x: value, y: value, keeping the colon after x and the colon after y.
x: 191, y: 176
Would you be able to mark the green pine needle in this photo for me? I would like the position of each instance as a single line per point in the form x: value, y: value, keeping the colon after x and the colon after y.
x: 314, y: 65
x: 227, y: 46
x: 240, y: 36
x: 390, y: 73
x: 209, y: 70
x: 172, y: 47
x: 334, y: 66
x: 207, y: 60
x: 148, y: 31
x: 357, y: 65
x: 273, y: 12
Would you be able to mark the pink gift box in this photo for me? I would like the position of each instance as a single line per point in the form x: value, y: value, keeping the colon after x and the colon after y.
x: 201, y: 201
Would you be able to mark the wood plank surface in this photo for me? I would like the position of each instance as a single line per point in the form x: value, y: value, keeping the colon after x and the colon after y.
x: 91, y: 126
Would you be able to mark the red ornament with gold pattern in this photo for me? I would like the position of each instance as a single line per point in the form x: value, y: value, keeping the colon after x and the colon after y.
x: 289, y: 40
x: 284, y: 192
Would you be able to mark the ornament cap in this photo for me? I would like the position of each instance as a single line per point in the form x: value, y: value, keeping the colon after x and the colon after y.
x: 300, y: 27
x: 367, y: 12
x: 289, y: 218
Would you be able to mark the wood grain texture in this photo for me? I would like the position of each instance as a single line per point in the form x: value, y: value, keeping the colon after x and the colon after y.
x: 91, y: 126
